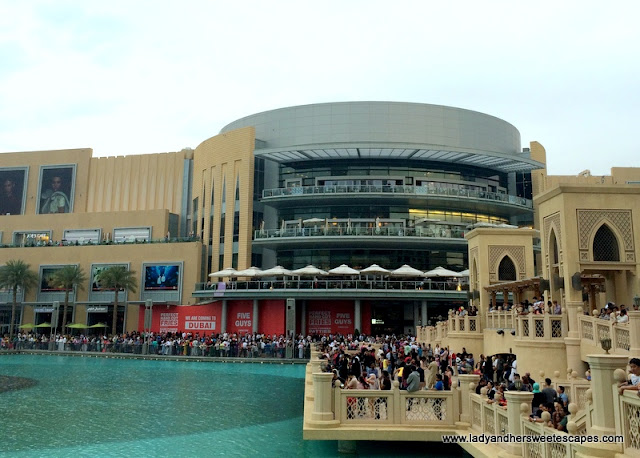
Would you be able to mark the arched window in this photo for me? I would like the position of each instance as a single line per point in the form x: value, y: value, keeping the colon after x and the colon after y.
x: 605, y: 245
x: 554, y: 248
x: 474, y: 276
x: 506, y: 269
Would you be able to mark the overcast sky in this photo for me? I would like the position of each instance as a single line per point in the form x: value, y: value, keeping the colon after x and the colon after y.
x: 135, y: 77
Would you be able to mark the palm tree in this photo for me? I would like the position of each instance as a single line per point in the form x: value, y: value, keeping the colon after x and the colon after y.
x: 14, y: 275
x: 115, y: 278
x: 68, y: 278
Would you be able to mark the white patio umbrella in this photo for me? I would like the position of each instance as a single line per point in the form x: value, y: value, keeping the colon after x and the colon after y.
x: 407, y: 271
x: 277, y: 271
x: 313, y: 221
x: 344, y: 270
x: 250, y: 272
x: 308, y: 271
x: 441, y: 272
x: 464, y: 273
x: 427, y: 220
x: 374, y: 269
x: 228, y: 272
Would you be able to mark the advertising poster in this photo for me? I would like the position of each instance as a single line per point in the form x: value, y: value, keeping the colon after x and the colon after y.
x: 333, y: 318
x: 56, y: 189
x: 12, y: 191
x: 240, y: 317
x: 46, y: 280
x: 195, y: 319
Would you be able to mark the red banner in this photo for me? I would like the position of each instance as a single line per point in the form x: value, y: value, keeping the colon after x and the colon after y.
x: 334, y: 318
x: 201, y: 319
x: 240, y: 317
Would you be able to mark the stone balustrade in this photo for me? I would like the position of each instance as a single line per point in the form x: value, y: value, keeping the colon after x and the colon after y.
x: 594, y: 330
x: 500, y: 320
x: 541, y: 327
x: 457, y: 323
x: 595, y: 408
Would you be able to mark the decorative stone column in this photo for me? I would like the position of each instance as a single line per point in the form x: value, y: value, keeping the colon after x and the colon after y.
x: 517, y: 403
x: 322, y: 414
x: 634, y: 333
x: 573, y: 308
x: 465, y: 390
x: 602, y: 383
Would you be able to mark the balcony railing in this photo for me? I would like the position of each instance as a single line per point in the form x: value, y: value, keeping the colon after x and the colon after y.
x: 263, y: 285
x: 427, y: 231
x: 298, y: 191
x: 593, y: 330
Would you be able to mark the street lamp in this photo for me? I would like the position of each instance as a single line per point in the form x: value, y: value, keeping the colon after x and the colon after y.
x: 148, y: 315
x: 54, y: 325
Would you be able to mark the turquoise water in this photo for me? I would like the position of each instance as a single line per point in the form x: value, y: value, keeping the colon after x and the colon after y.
x: 119, y: 407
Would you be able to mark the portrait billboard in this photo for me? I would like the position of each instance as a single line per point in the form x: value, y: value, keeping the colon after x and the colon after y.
x: 46, y: 280
x: 12, y: 190
x: 96, y: 269
x: 162, y: 277
x: 56, y: 189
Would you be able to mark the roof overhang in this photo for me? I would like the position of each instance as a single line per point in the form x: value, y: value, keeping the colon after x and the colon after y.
x: 504, y: 162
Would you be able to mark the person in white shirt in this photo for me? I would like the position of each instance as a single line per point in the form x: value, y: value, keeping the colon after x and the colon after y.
x: 623, y: 317
x: 634, y: 380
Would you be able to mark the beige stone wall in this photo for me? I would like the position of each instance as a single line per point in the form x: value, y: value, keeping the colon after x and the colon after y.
x: 137, y: 182
x: 221, y: 162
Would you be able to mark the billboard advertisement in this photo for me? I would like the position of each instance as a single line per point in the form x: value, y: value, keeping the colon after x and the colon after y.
x: 96, y: 269
x: 201, y: 319
x: 334, y: 318
x: 12, y: 194
x: 56, y: 189
x: 162, y: 277
x: 46, y: 280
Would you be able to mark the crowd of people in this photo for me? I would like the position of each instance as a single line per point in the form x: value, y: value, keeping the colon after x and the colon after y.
x: 611, y: 312
x: 177, y: 344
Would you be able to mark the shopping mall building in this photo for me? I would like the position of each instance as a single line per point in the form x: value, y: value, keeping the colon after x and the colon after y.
x: 355, y: 183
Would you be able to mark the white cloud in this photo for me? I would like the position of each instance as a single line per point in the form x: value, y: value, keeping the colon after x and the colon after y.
x: 148, y: 76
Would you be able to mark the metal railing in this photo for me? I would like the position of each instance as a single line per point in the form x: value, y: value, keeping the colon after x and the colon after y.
x: 298, y: 191
x: 51, y: 243
x: 137, y: 347
x: 427, y: 231
x: 394, y: 285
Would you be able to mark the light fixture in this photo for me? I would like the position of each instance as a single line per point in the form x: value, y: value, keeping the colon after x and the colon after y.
x: 500, y: 332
